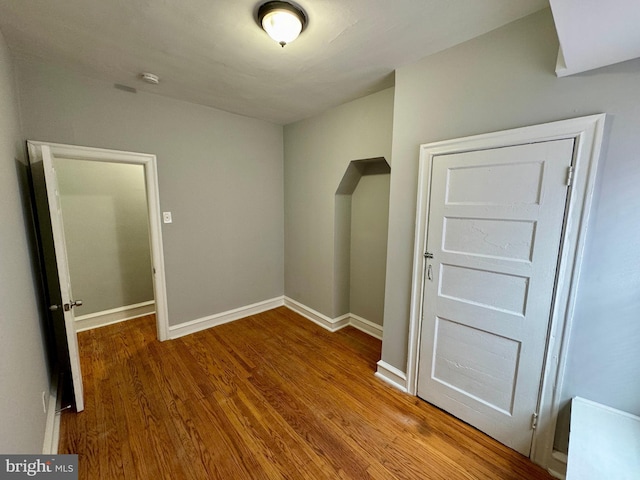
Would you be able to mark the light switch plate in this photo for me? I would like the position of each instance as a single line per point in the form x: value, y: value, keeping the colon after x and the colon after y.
x: 166, y: 217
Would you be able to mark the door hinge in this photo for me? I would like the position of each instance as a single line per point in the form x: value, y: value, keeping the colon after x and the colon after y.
x: 569, y: 176
x: 534, y: 420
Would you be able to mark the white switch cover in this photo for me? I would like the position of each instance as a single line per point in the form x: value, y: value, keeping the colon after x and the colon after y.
x: 166, y: 217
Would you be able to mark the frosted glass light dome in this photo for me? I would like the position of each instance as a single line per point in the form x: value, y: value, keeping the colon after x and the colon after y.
x: 282, y: 21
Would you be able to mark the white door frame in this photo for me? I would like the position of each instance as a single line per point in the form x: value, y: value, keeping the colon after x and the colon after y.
x: 148, y: 161
x: 587, y: 133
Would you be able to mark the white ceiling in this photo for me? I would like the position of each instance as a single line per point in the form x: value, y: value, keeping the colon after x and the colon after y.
x: 212, y: 52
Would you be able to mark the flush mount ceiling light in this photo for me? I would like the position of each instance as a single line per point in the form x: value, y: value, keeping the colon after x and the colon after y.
x: 283, y: 21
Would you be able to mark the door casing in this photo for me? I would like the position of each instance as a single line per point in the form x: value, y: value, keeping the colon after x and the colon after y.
x: 148, y: 162
x: 587, y: 133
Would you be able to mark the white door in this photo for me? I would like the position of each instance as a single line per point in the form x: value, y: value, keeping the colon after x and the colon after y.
x: 495, y: 224
x: 56, y: 264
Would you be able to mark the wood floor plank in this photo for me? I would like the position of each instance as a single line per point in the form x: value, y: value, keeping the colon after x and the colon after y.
x: 278, y: 437
x: 360, y: 426
x: 271, y: 396
x: 122, y: 452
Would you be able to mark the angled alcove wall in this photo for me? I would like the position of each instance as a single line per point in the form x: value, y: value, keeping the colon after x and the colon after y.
x: 361, y: 222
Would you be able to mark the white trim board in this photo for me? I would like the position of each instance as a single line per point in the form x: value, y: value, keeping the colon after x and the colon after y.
x: 366, y: 326
x: 199, y: 324
x: 52, y: 428
x: 114, y: 315
x: 391, y: 375
x: 587, y: 133
x: 335, y: 324
x: 557, y: 466
x: 331, y: 324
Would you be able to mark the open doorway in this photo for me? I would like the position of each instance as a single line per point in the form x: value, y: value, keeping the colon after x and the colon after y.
x: 106, y: 227
x: 61, y: 301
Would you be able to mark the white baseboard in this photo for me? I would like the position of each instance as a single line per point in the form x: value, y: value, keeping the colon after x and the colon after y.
x: 335, y: 324
x: 331, y: 324
x: 366, y: 326
x: 199, y: 324
x: 392, y: 376
x: 557, y: 466
x: 52, y: 428
x: 115, y: 315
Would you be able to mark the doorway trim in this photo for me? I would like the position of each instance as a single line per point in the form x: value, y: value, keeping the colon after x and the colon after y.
x: 149, y: 163
x: 587, y: 133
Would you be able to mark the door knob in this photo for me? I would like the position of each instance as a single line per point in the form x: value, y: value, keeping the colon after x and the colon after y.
x: 54, y: 308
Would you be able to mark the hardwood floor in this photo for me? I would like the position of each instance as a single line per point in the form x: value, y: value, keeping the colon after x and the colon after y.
x: 272, y: 396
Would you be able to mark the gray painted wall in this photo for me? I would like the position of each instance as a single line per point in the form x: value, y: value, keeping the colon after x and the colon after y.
x: 216, y: 168
x: 369, y: 223
x: 502, y: 80
x: 342, y: 255
x: 104, y: 209
x: 220, y: 175
x: 317, y: 153
x: 23, y: 370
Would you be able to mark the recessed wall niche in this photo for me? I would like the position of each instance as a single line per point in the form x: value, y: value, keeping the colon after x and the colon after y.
x: 360, y: 242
